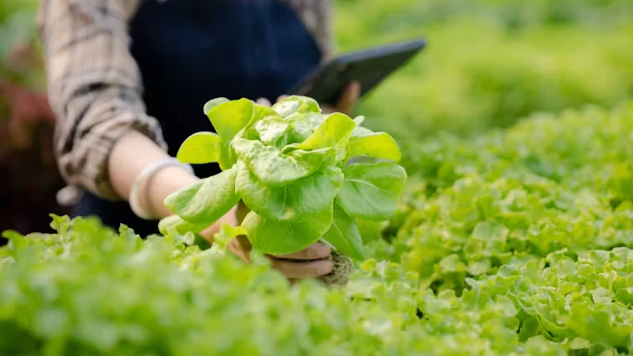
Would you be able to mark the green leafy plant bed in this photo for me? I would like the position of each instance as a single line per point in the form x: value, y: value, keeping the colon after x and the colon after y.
x: 288, y: 164
x: 516, y: 243
x: 87, y: 290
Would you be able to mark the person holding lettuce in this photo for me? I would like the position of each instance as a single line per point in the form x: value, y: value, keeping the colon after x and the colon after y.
x: 127, y: 80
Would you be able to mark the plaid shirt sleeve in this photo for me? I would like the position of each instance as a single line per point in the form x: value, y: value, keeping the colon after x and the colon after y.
x: 317, y: 17
x: 94, y: 84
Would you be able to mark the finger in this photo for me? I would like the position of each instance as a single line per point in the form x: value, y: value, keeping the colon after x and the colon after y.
x: 354, y: 91
x: 310, y: 269
x: 263, y: 102
x: 283, y: 97
x: 241, y: 247
x: 315, y: 252
x: 349, y: 98
x: 326, y: 109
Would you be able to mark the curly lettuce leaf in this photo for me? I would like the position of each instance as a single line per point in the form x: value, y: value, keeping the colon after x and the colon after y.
x: 371, y: 190
x: 209, y: 105
x: 227, y: 232
x: 229, y: 118
x: 305, y: 196
x: 373, y: 144
x: 260, y: 113
x: 344, y: 235
x: 274, y: 237
x: 175, y: 223
x: 273, y: 131
x: 200, y: 148
x: 300, y: 127
x: 296, y: 104
x: 333, y: 132
x: 207, y: 200
x: 272, y: 167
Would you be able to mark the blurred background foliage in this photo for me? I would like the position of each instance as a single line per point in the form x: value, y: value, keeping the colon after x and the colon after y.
x: 488, y: 64
x: 28, y: 174
x: 491, y: 62
x: 18, y: 35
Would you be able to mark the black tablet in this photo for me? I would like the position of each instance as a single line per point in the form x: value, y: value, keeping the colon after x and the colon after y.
x: 369, y: 68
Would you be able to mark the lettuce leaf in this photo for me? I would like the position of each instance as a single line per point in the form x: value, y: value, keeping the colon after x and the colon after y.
x: 302, y: 197
x: 371, y: 190
x: 276, y: 237
x: 207, y: 200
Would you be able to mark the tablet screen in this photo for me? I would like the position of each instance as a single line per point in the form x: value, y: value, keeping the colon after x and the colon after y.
x: 369, y: 68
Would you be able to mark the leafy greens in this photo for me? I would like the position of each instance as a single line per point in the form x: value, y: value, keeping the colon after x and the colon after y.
x: 289, y: 164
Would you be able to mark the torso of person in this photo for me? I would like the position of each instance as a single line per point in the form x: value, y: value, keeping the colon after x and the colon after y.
x: 191, y: 51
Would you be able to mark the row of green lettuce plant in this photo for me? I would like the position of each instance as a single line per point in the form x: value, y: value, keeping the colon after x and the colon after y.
x: 479, y: 72
x: 87, y: 289
x: 516, y: 243
x: 551, y: 182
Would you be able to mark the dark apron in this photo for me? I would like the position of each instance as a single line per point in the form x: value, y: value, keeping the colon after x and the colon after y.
x: 191, y: 51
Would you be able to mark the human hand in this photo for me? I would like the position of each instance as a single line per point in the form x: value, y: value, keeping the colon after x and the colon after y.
x: 310, y: 262
x: 347, y: 101
x: 307, y: 263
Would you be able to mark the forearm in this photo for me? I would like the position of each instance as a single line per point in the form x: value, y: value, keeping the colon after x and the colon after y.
x: 133, y: 153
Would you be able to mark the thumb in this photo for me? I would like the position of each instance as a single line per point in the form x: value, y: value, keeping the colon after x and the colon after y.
x: 263, y: 102
x: 349, y: 98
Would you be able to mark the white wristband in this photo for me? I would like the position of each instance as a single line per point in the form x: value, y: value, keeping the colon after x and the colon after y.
x: 145, y: 174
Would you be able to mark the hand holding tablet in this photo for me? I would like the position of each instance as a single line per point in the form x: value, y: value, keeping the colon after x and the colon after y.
x: 338, y: 81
